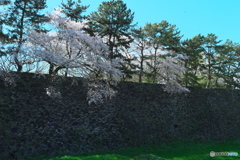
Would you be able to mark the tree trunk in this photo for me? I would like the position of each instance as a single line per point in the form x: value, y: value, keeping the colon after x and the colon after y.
x: 51, y: 68
x: 18, y: 63
x: 141, y: 67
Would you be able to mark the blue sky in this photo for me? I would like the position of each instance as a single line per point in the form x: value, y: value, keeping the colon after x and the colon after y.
x: 221, y: 17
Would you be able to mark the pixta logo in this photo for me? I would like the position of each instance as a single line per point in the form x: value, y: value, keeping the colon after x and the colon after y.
x: 212, y: 154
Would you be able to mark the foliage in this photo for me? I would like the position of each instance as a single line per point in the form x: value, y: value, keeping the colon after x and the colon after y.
x: 22, y: 15
x: 158, y: 44
x: 211, y: 44
x: 163, y: 37
x: 140, y: 45
x: 148, y: 157
x: 192, y: 48
x: 113, y: 22
x: 74, y: 10
x: 209, y: 63
x: 153, y: 53
x: 227, y: 65
x: 69, y: 47
x: 72, y: 49
x: 4, y: 37
x: 177, y: 150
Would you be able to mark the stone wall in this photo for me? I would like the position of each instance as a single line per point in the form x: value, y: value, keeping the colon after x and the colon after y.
x: 32, y: 123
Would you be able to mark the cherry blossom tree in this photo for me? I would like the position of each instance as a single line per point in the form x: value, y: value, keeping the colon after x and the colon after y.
x: 156, y: 62
x: 169, y: 72
x: 169, y: 67
x: 67, y: 47
x: 163, y: 57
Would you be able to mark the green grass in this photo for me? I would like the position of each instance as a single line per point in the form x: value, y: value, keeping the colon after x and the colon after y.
x: 177, y: 150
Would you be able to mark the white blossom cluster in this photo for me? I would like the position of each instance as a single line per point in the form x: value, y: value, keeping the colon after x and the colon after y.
x: 170, y: 71
x: 53, y: 93
x: 169, y: 68
x: 68, y: 46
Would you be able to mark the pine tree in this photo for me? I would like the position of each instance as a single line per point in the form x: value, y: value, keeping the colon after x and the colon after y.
x: 112, y: 22
x: 227, y: 65
x: 74, y: 10
x: 193, y: 49
x: 23, y: 15
x: 211, y: 44
x: 140, y: 45
x: 162, y: 37
x: 4, y: 4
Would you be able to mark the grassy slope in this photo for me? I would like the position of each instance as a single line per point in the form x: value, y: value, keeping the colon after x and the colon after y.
x: 179, y: 150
